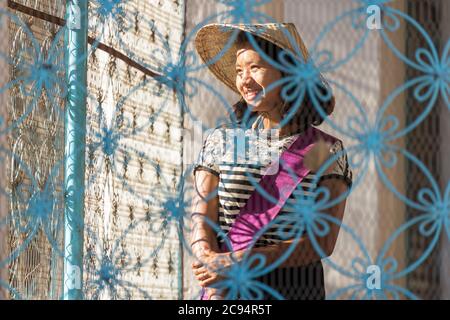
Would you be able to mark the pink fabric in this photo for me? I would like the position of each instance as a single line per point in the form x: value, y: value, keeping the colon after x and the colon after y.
x: 258, y: 210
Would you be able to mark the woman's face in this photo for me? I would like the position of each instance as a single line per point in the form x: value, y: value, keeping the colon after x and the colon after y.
x: 252, y: 74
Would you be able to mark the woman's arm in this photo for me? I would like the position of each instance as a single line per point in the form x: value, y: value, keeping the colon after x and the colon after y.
x: 203, y: 237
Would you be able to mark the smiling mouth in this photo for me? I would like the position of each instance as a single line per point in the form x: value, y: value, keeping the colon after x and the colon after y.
x: 251, y: 94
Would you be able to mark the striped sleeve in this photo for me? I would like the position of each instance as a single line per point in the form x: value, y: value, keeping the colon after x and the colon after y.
x: 341, y: 169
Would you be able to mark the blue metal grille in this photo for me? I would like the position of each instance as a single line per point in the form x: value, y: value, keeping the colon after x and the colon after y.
x: 98, y: 148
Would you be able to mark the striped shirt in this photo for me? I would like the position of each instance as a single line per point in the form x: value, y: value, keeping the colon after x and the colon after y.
x: 237, y: 179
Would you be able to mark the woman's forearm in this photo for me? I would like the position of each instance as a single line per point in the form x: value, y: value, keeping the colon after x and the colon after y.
x: 302, y: 254
x: 204, y: 213
x: 203, y: 237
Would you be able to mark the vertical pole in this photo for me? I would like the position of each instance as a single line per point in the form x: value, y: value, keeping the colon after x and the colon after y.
x: 74, y: 141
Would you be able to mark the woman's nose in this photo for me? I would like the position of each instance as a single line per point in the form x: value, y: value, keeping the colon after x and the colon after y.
x: 247, y: 78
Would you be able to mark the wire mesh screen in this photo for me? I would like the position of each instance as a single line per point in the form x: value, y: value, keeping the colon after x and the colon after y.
x: 133, y: 148
x: 134, y: 154
x: 34, y: 149
x: 357, y: 205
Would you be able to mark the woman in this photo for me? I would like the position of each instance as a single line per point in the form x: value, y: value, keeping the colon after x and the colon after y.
x: 300, y: 276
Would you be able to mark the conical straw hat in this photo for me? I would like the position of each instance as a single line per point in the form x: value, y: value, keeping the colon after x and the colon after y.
x: 213, y: 38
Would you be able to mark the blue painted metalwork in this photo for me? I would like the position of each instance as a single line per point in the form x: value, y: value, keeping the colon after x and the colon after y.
x: 371, y: 144
x: 75, y: 136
